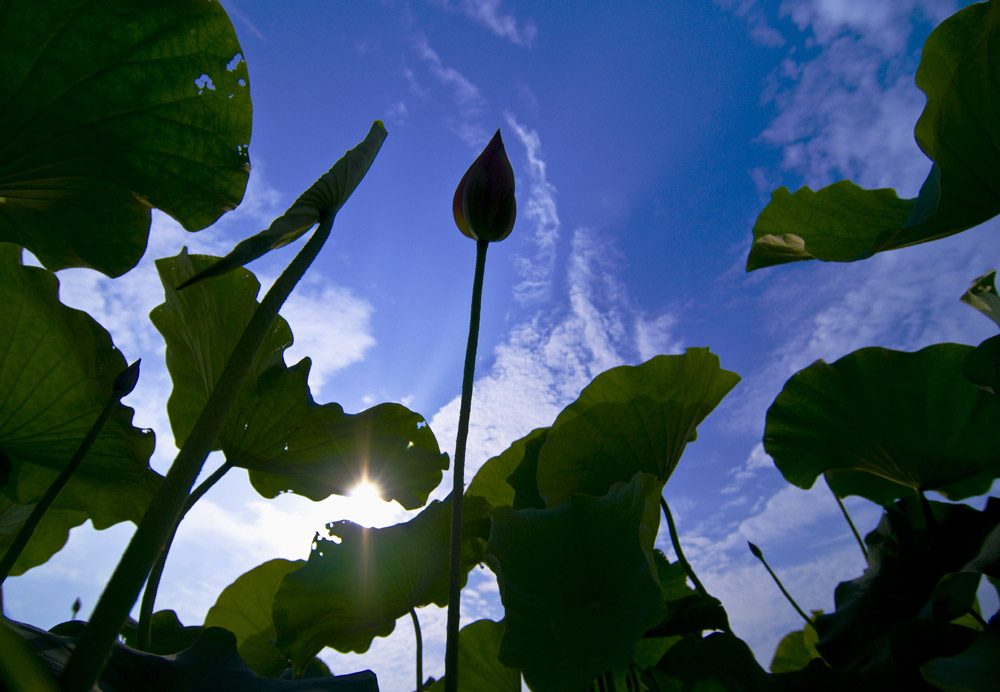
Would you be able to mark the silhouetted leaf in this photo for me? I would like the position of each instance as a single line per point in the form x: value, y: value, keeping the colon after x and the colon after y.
x: 882, y: 424
x: 353, y: 590
x: 211, y: 664
x: 959, y: 132
x: 876, y: 614
x: 981, y: 366
x: 976, y: 669
x: 103, y: 117
x: 630, y: 419
x: 57, y: 371
x: 578, y: 583
x: 168, y: 635
x: 326, y: 196
x: 275, y: 429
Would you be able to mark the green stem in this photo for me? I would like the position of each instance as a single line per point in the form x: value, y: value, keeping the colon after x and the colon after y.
x: 420, y: 650
x: 458, y: 479
x: 95, y: 643
x: 760, y: 556
x: 28, y: 528
x: 854, y: 529
x: 676, y: 541
x: 145, y: 628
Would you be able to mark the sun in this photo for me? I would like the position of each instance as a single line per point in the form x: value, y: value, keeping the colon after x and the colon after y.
x: 366, y: 506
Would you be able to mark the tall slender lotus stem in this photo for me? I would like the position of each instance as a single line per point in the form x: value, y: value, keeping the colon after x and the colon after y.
x: 760, y: 556
x: 484, y: 209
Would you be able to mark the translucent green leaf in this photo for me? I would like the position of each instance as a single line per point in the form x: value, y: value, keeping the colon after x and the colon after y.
x: 491, y: 481
x: 796, y: 649
x: 110, y: 108
x: 354, y: 589
x: 275, y: 429
x: 47, y: 539
x: 982, y: 295
x: 479, y: 668
x: 244, y: 608
x: 57, y: 370
x: 883, y: 424
x: 324, y: 197
x: 959, y: 130
x: 630, y: 419
x: 578, y: 583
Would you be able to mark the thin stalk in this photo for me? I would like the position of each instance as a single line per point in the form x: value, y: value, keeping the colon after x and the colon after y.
x: 458, y: 480
x: 95, y: 643
x: 978, y: 618
x: 676, y: 541
x: 28, y: 528
x: 145, y: 628
x: 854, y: 529
x: 420, y: 650
x: 760, y: 556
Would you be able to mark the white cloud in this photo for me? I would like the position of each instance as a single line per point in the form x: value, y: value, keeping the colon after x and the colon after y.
x: 465, y: 93
x: 488, y: 13
x: 331, y: 325
x: 536, y: 268
x: 884, y: 25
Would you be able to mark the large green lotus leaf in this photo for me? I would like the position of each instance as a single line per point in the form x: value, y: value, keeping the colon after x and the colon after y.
x: 275, y: 429
x: 201, y: 326
x: 57, y: 371
x: 981, y: 367
x: 907, y: 559
x: 244, y: 608
x: 982, y: 295
x: 491, y: 480
x: 959, y: 130
x: 630, y: 419
x: 354, y: 590
x: 109, y: 108
x: 479, y: 667
x: 210, y: 664
x: 882, y: 424
x: 328, y: 452
x: 578, y: 583
x: 47, y: 539
x: 325, y: 196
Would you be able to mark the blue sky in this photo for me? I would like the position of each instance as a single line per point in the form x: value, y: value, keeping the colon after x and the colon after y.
x: 645, y: 138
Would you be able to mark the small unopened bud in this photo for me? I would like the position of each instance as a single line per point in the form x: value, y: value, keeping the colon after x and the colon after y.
x: 126, y: 380
x: 484, y: 204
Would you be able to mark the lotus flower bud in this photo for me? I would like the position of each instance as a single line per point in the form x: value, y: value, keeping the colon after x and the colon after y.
x: 484, y: 204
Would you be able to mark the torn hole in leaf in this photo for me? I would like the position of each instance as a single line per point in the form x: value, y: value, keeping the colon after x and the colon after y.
x: 242, y: 82
x: 235, y: 62
x: 204, y: 82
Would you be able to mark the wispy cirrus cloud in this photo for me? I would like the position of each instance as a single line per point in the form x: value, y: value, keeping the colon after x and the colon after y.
x: 489, y: 14
x: 541, y: 213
